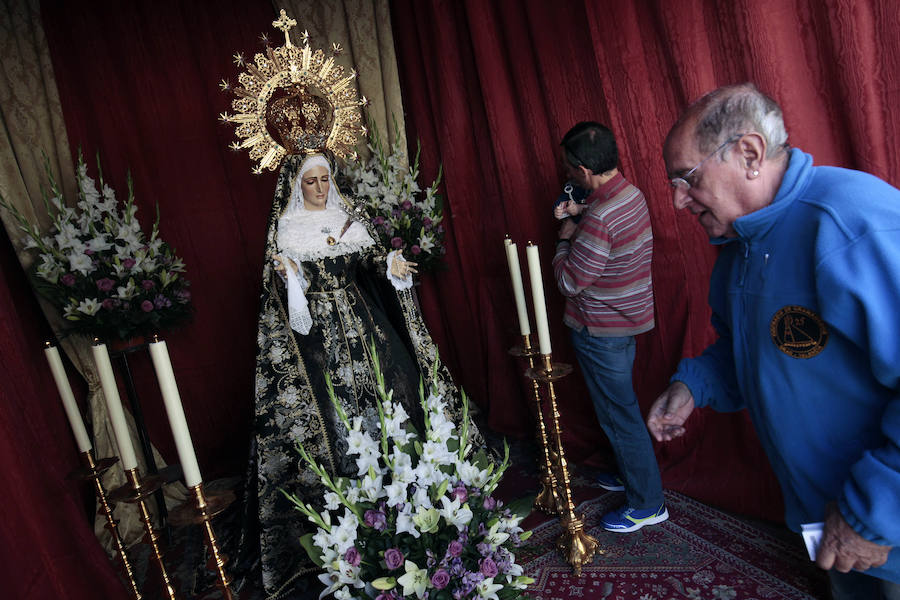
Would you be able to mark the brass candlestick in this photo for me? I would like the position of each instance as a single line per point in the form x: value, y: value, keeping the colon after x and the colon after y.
x: 94, y: 470
x: 202, y: 510
x: 577, y: 546
x: 549, y: 499
x: 139, y: 494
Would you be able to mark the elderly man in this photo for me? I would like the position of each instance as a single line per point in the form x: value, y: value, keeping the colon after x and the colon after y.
x: 804, y: 297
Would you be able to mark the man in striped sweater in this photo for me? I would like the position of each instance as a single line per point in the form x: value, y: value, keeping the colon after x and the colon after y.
x: 602, y: 266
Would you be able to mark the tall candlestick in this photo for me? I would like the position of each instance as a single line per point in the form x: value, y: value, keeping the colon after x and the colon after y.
x: 114, y: 405
x: 174, y: 409
x: 515, y: 273
x: 68, y: 399
x: 537, y: 292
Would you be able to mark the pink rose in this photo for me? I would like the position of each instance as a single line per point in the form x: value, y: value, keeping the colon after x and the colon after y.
x: 415, y: 249
x: 488, y: 568
x: 460, y: 492
x: 440, y: 579
x: 393, y: 558
x: 128, y: 263
x: 352, y: 556
x: 147, y: 284
x: 396, y: 242
x: 105, y: 284
x: 146, y: 306
x: 68, y: 279
x: 455, y: 548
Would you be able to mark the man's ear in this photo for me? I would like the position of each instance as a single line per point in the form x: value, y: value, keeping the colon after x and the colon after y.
x: 752, y: 149
x: 585, y: 171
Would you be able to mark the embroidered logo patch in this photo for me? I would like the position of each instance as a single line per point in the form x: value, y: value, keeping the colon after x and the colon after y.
x: 798, y: 332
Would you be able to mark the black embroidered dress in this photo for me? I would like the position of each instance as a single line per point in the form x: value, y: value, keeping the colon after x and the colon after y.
x: 350, y: 304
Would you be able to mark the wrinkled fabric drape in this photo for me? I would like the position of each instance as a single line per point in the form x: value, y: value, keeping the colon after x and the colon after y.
x: 491, y: 87
x: 35, y: 143
x: 48, y: 547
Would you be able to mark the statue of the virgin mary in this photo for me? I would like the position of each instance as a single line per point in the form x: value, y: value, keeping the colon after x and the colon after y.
x: 329, y: 291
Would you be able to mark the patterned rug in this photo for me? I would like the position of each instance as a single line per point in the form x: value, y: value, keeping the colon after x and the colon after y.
x: 700, y: 553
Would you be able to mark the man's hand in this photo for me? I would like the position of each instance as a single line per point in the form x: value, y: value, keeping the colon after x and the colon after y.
x: 567, y: 228
x: 669, y: 412
x: 843, y: 549
x: 560, y: 211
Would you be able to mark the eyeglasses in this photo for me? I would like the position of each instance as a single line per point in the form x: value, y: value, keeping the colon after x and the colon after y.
x: 683, y: 183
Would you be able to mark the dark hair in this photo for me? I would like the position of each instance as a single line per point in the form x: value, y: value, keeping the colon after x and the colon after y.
x: 591, y: 145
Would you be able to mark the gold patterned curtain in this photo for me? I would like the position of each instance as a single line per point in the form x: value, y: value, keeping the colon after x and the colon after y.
x: 33, y: 129
x: 363, y: 29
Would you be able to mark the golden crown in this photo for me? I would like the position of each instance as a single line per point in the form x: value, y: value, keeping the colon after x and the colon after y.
x: 298, y: 96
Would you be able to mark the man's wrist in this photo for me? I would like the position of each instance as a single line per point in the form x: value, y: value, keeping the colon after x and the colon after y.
x: 566, y: 240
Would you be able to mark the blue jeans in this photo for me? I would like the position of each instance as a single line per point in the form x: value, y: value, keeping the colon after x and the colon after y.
x: 859, y: 586
x: 606, y: 364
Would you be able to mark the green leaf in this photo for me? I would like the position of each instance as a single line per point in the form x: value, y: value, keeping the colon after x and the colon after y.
x: 521, y: 507
x: 314, y: 553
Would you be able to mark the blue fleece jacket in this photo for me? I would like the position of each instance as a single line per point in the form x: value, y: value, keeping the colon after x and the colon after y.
x: 806, y: 301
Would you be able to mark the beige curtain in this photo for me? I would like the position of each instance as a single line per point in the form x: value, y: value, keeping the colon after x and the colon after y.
x: 32, y: 120
x: 363, y: 29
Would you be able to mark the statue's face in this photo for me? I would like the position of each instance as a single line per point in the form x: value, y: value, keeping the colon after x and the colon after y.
x: 315, y: 184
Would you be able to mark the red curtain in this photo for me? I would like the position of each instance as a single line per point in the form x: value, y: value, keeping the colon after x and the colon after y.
x: 138, y: 83
x: 491, y: 87
x: 49, y: 547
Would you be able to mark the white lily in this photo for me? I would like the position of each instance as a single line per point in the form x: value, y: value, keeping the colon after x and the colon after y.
x: 414, y: 581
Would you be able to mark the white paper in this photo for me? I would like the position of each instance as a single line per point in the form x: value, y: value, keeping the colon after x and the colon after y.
x: 812, y: 535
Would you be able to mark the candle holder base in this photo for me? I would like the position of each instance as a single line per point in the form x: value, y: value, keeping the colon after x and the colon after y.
x: 577, y: 547
x: 188, y: 513
x: 524, y: 351
x: 549, y: 373
x: 128, y: 492
x: 95, y: 469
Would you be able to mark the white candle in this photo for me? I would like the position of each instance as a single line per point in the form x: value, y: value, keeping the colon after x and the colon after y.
x: 114, y: 406
x: 537, y: 292
x: 515, y: 273
x: 174, y: 409
x: 68, y: 399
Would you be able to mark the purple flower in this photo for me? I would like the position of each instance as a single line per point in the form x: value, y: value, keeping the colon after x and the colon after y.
x: 161, y: 302
x: 455, y: 548
x: 395, y: 213
x: 88, y: 251
x: 147, y: 284
x: 109, y: 303
x: 378, y: 221
x: 396, y: 242
x: 440, y: 229
x: 389, y: 595
x: 183, y: 295
x: 460, y: 493
x: 431, y: 559
x: 406, y: 205
x: 105, y: 284
x: 483, y: 549
x: 415, y: 249
x: 393, y: 558
x: 128, y: 263
x: 440, y: 579
x: 352, y: 556
x: 427, y: 222
x: 488, y: 567
x: 489, y: 503
x: 456, y: 567
x: 68, y: 279
x: 146, y: 306
x: 375, y: 519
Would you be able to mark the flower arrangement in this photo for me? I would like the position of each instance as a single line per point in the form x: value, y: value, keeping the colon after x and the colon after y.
x: 420, y: 521
x: 402, y: 216
x: 98, y: 269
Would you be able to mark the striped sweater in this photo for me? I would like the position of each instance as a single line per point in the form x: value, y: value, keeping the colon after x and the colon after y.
x: 604, y: 271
